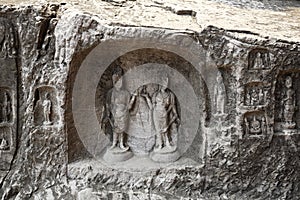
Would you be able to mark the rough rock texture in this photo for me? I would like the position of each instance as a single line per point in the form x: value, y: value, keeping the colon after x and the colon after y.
x: 48, y: 43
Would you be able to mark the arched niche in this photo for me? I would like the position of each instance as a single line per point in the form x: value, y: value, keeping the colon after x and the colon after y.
x: 98, y: 83
x: 287, y: 93
x: 45, y: 106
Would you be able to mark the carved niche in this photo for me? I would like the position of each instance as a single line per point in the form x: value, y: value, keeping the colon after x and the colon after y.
x: 8, y: 96
x: 259, y: 59
x: 256, y: 94
x: 149, y: 107
x: 45, y: 106
x: 255, y: 124
x: 287, y: 117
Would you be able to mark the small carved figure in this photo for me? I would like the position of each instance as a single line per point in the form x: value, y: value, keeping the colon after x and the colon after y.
x: 289, y: 104
x: 254, y: 97
x: 4, y: 144
x: 258, y: 63
x: 265, y: 96
x: 4, y: 108
x: 248, y: 98
x: 142, y: 107
x: 47, y: 109
x: 164, y: 116
x: 118, y: 111
x: 261, y: 96
x: 219, y: 94
x: 247, y: 126
x: 255, y: 126
x: 264, y: 128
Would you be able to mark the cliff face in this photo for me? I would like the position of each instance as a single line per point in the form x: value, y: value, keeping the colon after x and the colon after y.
x: 232, y: 72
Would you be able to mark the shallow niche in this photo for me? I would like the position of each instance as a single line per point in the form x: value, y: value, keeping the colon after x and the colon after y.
x: 287, y: 93
x: 259, y: 59
x: 255, y: 124
x: 45, y: 106
x: 256, y: 94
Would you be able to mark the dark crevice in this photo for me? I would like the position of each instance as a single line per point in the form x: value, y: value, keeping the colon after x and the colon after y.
x: 43, y: 32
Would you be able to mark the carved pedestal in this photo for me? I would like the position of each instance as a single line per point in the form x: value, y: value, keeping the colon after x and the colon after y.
x: 117, y: 154
x: 165, y: 155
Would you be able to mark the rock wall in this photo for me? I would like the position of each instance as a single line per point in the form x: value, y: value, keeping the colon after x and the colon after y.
x: 249, y: 150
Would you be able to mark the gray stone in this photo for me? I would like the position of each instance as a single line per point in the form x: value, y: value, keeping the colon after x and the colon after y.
x: 109, y: 106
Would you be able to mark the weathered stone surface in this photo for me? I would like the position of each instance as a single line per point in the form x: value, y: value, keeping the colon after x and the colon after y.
x: 236, y: 94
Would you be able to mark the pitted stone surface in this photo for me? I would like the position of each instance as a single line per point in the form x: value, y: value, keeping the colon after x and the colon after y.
x: 243, y: 73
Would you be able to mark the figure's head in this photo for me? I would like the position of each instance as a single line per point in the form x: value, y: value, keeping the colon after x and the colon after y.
x: 117, y: 77
x: 141, y: 89
x: 151, y: 88
x: 288, y: 82
x: 119, y: 83
x: 165, y: 82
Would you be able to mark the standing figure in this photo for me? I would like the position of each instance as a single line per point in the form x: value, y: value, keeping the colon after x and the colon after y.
x: 261, y: 96
x: 248, y: 98
x: 289, y: 104
x: 219, y: 94
x: 47, y: 109
x: 165, y: 117
x: 254, y: 97
x: 264, y: 128
x: 120, y: 104
x: 258, y: 62
x: 4, y: 107
x: 247, y: 126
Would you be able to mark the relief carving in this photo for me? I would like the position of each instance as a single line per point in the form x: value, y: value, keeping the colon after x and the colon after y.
x: 259, y: 59
x: 8, y: 93
x: 255, y: 123
x: 5, y: 106
x: 144, y: 123
x: 4, y: 144
x: 45, y: 113
x: 286, y: 110
x: 7, y: 40
x: 165, y: 121
x: 289, y: 104
x: 256, y: 94
x: 47, y: 109
x: 119, y: 102
x: 219, y: 96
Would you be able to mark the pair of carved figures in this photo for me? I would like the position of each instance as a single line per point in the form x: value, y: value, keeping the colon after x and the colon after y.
x: 152, y: 100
